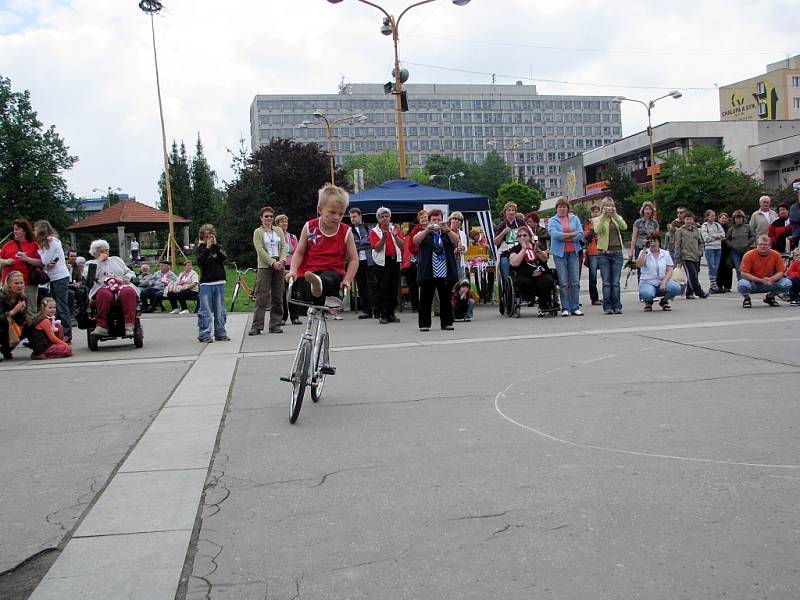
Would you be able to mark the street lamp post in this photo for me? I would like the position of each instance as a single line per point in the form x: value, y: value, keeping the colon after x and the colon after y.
x: 512, y: 147
x: 329, y: 125
x: 649, y: 107
x: 390, y: 27
x: 449, y: 178
x: 109, y: 190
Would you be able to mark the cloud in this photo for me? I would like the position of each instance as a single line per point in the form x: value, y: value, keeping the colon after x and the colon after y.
x: 89, y: 64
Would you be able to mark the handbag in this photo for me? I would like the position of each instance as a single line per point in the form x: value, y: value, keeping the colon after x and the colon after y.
x: 37, y: 275
x: 679, y: 275
x: 14, y: 332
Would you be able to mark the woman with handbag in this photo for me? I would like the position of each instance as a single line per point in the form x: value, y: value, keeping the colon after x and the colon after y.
x: 51, y: 255
x: 14, y: 256
x: 13, y: 317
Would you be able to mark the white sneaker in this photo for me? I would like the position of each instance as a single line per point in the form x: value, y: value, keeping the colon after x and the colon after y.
x: 184, y: 312
x: 315, y: 282
x: 564, y: 313
x: 578, y: 312
x: 175, y: 311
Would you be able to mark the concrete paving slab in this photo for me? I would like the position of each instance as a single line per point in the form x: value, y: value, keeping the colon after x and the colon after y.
x: 142, y: 502
x: 62, y: 434
x: 173, y: 451
x: 176, y: 419
x: 207, y: 382
x: 90, y: 568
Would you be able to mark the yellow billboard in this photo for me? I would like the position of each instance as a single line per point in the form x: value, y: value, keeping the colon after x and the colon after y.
x: 756, y: 99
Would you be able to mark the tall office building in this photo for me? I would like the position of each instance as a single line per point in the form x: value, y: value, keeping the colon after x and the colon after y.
x: 460, y: 120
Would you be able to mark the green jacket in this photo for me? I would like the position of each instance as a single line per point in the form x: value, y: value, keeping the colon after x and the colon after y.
x: 265, y: 261
x: 688, y: 244
x: 601, y: 230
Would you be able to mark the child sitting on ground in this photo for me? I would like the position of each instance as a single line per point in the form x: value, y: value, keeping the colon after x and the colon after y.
x: 463, y: 302
x: 325, y: 258
x: 46, y: 335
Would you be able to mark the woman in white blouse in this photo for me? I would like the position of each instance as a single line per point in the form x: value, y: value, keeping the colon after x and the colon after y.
x: 186, y: 287
x: 656, y: 267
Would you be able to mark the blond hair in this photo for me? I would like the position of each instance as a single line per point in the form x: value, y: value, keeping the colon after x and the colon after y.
x: 333, y: 193
x: 43, y: 230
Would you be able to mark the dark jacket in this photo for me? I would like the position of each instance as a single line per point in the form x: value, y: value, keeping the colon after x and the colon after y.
x: 741, y: 238
x: 37, y: 338
x: 361, y: 239
x: 425, y: 258
x: 6, y: 304
x: 211, y: 261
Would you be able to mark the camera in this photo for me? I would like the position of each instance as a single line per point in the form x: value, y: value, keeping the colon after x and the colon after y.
x: 535, y: 238
x: 437, y: 226
x: 647, y: 244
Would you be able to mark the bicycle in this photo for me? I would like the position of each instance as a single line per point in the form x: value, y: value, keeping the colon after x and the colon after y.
x: 311, y: 363
x: 242, y: 283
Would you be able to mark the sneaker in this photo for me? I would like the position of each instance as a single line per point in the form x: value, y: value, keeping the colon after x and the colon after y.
x: 564, y: 313
x: 447, y: 328
x: 206, y: 340
x: 296, y: 322
x: 275, y: 330
x: 337, y: 317
x: 795, y: 302
x: 222, y: 338
x: 424, y: 328
x: 254, y: 331
x: 617, y: 311
x: 578, y: 312
x: 364, y: 316
x: 315, y: 282
x: 175, y: 311
x: 771, y: 300
x: 702, y: 294
x: 596, y: 303
x: 609, y: 312
x: 184, y: 312
x: 393, y: 319
x: 100, y: 331
x: 747, y: 303
x: 384, y: 321
x: 648, y: 307
x: 690, y: 296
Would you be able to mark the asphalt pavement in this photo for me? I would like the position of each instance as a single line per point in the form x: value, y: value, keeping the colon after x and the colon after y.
x: 628, y: 456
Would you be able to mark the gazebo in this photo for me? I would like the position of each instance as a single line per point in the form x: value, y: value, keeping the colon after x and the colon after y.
x: 128, y: 216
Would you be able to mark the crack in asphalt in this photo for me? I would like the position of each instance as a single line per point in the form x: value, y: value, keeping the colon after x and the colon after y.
x: 486, y: 516
x: 373, y: 562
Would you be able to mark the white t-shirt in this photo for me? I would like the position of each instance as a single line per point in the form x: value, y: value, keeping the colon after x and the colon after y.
x: 653, y: 269
x: 272, y: 243
x: 54, y: 251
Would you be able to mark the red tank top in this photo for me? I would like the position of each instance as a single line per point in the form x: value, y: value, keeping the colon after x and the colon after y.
x: 324, y: 252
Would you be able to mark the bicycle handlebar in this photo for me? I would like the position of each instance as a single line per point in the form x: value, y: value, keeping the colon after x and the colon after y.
x: 238, y: 272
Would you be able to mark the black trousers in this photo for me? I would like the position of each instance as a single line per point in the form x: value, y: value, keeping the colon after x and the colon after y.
x: 725, y: 269
x: 426, y: 290
x: 540, y: 287
x: 388, y: 283
x: 331, y: 281
x: 692, y: 281
x: 365, y: 297
x: 413, y: 286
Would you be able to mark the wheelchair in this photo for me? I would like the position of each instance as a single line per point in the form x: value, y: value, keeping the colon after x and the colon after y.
x: 87, y: 314
x: 512, y: 299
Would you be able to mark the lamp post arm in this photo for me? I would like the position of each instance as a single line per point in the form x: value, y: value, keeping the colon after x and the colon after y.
x: 376, y: 6
x: 408, y: 8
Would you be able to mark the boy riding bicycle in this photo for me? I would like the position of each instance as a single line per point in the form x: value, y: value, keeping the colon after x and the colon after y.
x: 326, y: 258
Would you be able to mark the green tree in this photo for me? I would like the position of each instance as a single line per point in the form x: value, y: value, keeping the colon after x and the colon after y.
x: 32, y: 163
x: 206, y: 198
x: 379, y: 168
x: 705, y: 178
x: 440, y: 168
x: 180, y: 182
x: 486, y: 178
x: 113, y: 198
x: 283, y: 174
x: 526, y: 199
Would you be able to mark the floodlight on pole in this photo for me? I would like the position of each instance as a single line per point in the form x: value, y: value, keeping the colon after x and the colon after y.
x: 390, y: 26
x: 152, y: 7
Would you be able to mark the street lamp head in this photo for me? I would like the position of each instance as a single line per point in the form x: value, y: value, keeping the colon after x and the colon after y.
x: 303, y: 125
x: 618, y: 99
x: 360, y: 117
x: 334, y: 1
x: 491, y: 143
x: 150, y: 6
x: 386, y: 28
x: 460, y: 173
x: 456, y: 2
x: 675, y: 94
x: 525, y: 141
x: 318, y: 114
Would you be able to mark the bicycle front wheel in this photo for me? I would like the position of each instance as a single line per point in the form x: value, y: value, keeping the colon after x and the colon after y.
x: 300, y: 368
x: 322, y: 359
x: 234, y: 295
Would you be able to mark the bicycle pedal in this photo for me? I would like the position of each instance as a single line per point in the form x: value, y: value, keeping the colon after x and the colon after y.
x: 328, y: 370
x: 286, y: 379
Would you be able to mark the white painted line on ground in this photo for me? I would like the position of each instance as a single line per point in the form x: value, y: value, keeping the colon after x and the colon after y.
x: 502, y: 394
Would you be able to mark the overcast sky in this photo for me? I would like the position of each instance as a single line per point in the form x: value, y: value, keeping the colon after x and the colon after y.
x: 89, y: 63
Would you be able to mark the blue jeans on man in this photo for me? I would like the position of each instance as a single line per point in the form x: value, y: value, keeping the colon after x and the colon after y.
x: 568, y: 281
x: 712, y: 258
x: 212, y: 306
x: 747, y: 287
x: 649, y: 291
x: 610, y: 264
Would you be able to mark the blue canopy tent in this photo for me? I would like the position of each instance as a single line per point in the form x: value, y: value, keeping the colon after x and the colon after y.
x: 406, y: 196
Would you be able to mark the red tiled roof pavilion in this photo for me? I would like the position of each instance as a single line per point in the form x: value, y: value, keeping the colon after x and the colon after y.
x: 134, y: 216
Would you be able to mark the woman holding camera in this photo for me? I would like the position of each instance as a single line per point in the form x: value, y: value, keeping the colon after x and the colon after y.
x: 529, y: 265
x: 436, y: 269
x: 656, y: 267
x: 609, y: 227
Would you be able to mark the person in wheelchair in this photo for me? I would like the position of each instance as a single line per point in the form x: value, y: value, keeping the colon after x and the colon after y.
x: 529, y: 271
x: 112, y: 282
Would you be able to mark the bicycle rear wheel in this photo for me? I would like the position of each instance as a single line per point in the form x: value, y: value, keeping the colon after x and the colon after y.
x: 322, y: 359
x: 302, y: 363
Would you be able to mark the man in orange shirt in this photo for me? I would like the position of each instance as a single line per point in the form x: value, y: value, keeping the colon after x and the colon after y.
x: 762, y: 271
